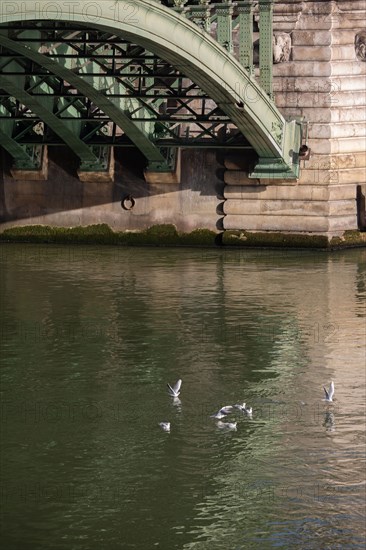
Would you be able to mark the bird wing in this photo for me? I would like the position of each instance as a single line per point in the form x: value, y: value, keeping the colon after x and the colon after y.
x: 226, y: 410
x: 326, y: 392
x: 177, y: 386
x: 331, y: 390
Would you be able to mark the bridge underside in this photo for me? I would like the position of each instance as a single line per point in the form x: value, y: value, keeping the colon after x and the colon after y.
x: 93, y: 87
x: 107, y: 92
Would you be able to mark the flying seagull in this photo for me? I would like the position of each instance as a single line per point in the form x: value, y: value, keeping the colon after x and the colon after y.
x: 165, y: 426
x: 224, y: 411
x: 175, y: 390
x: 329, y: 393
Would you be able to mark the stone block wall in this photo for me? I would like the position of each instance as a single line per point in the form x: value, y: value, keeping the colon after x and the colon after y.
x: 325, y: 82
x: 63, y: 200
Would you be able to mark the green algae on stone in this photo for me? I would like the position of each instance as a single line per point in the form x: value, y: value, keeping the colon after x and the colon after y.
x: 273, y: 240
x: 349, y: 239
x: 156, y: 235
x: 247, y: 239
x: 167, y: 235
x: 97, y: 234
x: 199, y: 237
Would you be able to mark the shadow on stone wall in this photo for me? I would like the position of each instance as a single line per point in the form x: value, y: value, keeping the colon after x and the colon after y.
x: 64, y: 200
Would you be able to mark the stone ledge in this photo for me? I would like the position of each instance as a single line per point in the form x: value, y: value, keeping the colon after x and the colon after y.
x: 239, y: 177
x: 311, y: 38
x: 336, y: 145
x: 321, y: 115
x: 332, y: 85
x: 320, y: 224
x: 337, y: 161
x: 312, y: 53
x: 332, y: 176
x: 167, y: 235
x: 170, y: 177
x: 156, y: 235
x: 300, y: 192
x: 320, y: 99
x: 33, y: 175
x: 99, y: 176
x: 285, y: 207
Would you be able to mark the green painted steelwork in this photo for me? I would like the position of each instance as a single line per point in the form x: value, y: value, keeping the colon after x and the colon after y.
x: 154, y: 93
x: 224, y: 13
x: 141, y: 141
x: 192, y: 51
x: 200, y: 15
x: 27, y: 157
x: 245, y: 20
x: 266, y: 45
x: 76, y: 144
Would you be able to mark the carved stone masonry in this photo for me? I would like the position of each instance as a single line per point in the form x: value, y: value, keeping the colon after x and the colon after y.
x: 281, y: 47
x: 360, y: 45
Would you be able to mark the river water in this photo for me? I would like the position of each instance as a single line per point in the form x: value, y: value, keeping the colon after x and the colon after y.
x: 91, y: 335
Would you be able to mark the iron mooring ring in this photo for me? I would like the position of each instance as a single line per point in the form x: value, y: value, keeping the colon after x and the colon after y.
x: 128, y: 202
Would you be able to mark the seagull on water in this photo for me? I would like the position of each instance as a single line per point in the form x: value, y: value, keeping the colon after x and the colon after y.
x: 174, y: 391
x: 329, y: 393
x: 249, y: 411
x: 244, y: 409
x: 226, y: 425
x: 224, y: 411
x: 165, y: 426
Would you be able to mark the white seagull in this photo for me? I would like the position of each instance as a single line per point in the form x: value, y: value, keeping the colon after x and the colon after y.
x: 224, y: 411
x: 226, y: 425
x: 175, y: 390
x: 165, y: 426
x: 244, y: 409
x: 329, y: 393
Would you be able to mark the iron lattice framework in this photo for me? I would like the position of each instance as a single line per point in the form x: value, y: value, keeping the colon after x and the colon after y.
x: 165, y: 106
x: 145, y: 73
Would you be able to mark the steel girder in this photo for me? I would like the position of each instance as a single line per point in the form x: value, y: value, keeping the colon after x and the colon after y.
x: 131, y: 129
x: 28, y: 158
x: 162, y: 101
x: 192, y: 51
x: 75, y: 143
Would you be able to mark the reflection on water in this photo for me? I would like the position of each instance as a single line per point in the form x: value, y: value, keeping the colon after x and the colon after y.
x: 90, y: 337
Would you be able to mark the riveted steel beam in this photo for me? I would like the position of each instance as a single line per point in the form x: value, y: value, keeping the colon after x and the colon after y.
x: 266, y: 45
x: 245, y: 20
x: 224, y: 12
x: 26, y: 157
x: 131, y: 129
x: 76, y: 144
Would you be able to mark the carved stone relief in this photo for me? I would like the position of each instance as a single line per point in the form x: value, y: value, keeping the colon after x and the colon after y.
x: 360, y: 45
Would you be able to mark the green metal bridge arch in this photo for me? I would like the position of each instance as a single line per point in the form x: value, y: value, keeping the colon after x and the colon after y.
x: 189, y: 49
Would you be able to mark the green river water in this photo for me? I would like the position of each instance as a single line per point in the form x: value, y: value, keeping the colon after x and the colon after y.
x: 91, y: 335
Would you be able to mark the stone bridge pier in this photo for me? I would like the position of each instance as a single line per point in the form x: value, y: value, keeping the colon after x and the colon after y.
x: 247, y: 118
x: 324, y: 81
